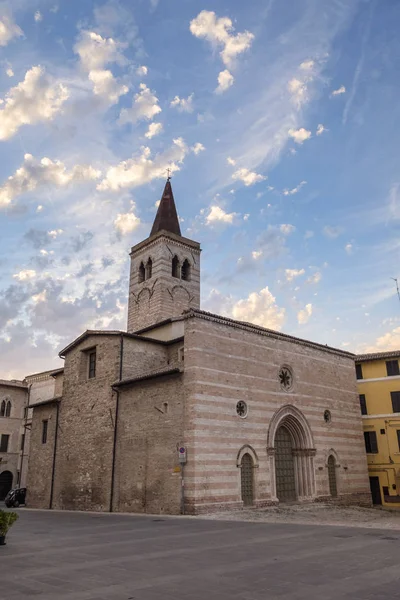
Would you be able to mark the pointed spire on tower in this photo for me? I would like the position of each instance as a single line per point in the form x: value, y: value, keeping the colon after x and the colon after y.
x: 166, y: 217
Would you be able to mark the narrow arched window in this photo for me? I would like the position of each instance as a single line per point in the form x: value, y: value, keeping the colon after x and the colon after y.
x: 142, y: 273
x: 149, y: 268
x: 8, y: 409
x: 185, y: 273
x: 3, y: 409
x: 175, y: 267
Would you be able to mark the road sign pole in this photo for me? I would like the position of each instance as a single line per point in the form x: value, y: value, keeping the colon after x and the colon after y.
x: 182, y: 489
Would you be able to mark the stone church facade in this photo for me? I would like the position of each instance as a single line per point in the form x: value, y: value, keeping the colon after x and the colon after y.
x: 263, y: 417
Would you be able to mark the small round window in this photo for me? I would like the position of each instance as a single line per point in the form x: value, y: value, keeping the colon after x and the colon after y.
x: 286, y: 378
x: 241, y: 409
x: 327, y: 416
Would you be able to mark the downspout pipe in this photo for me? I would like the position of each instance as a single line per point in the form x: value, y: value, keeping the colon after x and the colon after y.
x: 53, y: 471
x: 121, y: 355
x: 25, y: 428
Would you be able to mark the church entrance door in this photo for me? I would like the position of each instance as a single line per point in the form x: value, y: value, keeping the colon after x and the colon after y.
x: 247, y: 480
x: 6, y: 479
x: 284, y: 466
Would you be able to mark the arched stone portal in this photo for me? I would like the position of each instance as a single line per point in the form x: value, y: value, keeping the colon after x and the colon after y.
x: 6, y: 479
x: 291, y: 455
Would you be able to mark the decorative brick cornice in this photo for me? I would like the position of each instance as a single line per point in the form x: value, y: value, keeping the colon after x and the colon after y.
x: 164, y: 237
x: 201, y: 314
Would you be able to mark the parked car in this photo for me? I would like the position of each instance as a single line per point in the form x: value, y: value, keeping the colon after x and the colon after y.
x: 15, y: 497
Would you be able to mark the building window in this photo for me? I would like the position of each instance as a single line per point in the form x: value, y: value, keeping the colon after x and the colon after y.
x: 185, y: 273
x: 8, y: 409
x: 395, y: 401
x: 359, y: 373
x: 142, y: 273
x: 398, y: 438
x: 363, y: 404
x: 3, y: 408
x: 25, y: 412
x: 149, y: 269
x: 44, y: 431
x: 241, y: 409
x: 371, y: 444
x: 4, y: 443
x: 175, y: 267
x: 181, y: 354
x: 22, y: 442
x: 327, y: 416
x: 92, y: 364
x: 392, y: 368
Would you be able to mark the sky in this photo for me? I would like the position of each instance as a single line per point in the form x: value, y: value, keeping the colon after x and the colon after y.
x: 279, y: 121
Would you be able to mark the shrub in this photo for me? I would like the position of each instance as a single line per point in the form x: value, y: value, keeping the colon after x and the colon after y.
x: 7, y: 519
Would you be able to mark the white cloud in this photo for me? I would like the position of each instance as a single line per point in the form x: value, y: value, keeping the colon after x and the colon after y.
x: 25, y: 275
x: 220, y: 32
x: 39, y: 208
x: 295, y: 190
x: 332, y: 232
x: 308, y: 234
x: 142, y: 70
x: 9, y: 72
x: 231, y: 161
x: 218, y: 215
x: 349, y: 248
x: 95, y: 51
x: 153, y: 130
x: 299, y: 135
x: 261, y: 309
x: 36, y: 98
x: 8, y: 30
x: 292, y: 273
x: 225, y: 81
x: 33, y: 174
x: 38, y: 16
x: 197, y: 148
x: 256, y: 254
x: 142, y: 169
x: 247, y: 177
x: 54, y: 233
x: 315, y: 278
x: 183, y: 104
x: 105, y: 85
x: 307, y: 65
x: 341, y: 90
x: 286, y: 228
x: 320, y: 129
x: 304, y: 314
x: 40, y: 297
x: 386, y: 342
x: 125, y: 223
x: 145, y: 106
x: 298, y: 90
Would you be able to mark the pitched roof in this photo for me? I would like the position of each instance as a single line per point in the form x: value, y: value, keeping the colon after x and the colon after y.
x: 166, y: 217
x: 377, y: 356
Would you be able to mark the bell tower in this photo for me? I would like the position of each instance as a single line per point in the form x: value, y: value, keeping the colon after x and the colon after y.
x: 165, y: 270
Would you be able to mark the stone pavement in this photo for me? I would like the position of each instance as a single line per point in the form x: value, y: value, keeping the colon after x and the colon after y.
x: 88, y: 556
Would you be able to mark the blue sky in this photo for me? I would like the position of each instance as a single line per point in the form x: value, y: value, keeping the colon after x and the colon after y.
x: 280, y: 124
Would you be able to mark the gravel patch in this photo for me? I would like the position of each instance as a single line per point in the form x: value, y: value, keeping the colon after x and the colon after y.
x: 317, y: 514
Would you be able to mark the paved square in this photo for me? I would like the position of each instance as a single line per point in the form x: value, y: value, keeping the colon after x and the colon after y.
x: 77, y: 556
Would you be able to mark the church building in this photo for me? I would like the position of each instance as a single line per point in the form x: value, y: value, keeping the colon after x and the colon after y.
x: 189, y: 411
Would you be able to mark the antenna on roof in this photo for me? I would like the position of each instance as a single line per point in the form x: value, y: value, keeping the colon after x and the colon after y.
x: 397, y: 287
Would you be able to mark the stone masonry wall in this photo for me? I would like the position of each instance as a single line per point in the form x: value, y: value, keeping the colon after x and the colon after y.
x: 41, y: 457
x: 225, y: 364
x: 162, y: 296
x: 87, y: 417
x: 150, y: 425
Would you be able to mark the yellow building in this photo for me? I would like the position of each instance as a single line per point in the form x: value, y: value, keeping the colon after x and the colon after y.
x: 378, y: 378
